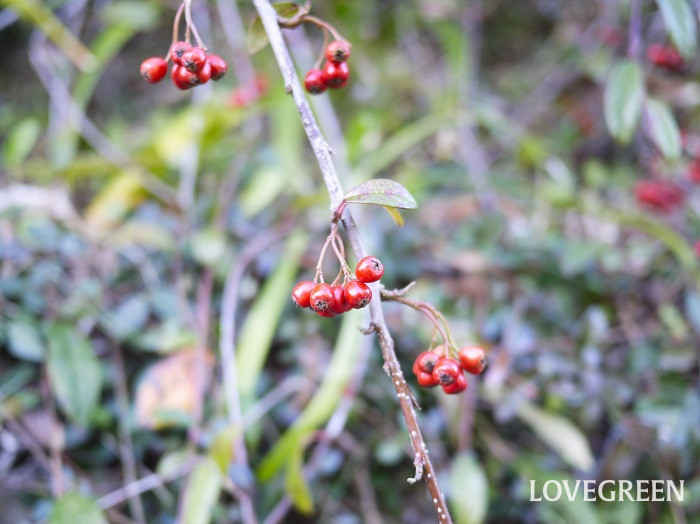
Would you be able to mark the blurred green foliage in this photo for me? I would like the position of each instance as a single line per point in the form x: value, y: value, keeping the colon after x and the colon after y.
x: 118, y: 233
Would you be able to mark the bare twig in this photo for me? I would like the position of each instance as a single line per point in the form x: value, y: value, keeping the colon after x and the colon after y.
x: 268, y: 16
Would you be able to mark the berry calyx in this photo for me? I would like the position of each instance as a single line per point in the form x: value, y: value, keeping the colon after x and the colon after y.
x: 301, y: 294
x: 446, y: 371
x: 472, y: 359
x: 459, y: 385
x: 335, y: 75
x: 194, y: 59
x: 425, y: 362
x: 338, y: 51
x: 177, y: 50
x: 182, y: 78
x: 321, y: 298
x: 369, y: 269
x: 218, y: 65
x: 153, y: 69
x: 357, y: 294
x: 426, y: 380
x: 314, y: 82
x: 340, y: 305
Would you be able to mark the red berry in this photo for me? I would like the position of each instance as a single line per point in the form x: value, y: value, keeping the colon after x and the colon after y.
x: 440, y: 351
x: 446, y: 371
x: 177, y: 50
x: 182, y: 78
x: 357, y: 294
x: 340, y: 305
x: 321, y: 298
x: 370, y: 269
x: 336, y: 75
x: 301, y: 294
x: 338, y: 51
x: 153, y: 69
x: 314, y: 83
x: 661, y: 195
x: 204, y: 74
x: 696, y: 248
x: 459, y: 385
x: 426, y: 380
x: 473, y: 359
x: 665, y: 56
x: 327, y: 314
x: 194, y: 59
x: 425, y: 362
x: 218, y: 65
x: 694, y: 171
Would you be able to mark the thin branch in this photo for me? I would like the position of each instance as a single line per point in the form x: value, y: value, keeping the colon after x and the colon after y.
x: 268, y: 16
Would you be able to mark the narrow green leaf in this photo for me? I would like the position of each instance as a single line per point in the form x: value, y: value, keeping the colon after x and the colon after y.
x: 662, y: 128
x: 260, y: 324
x: 257, y: 37
x: 295, y: 484
x: 337, y: 375
x: 25, y: 341
x: 75, y: 508
x: 21, y: 141
x: 565, y: 438
x: 201, y: 492
x: 382, y: 192
x: 681, y: 25
x: 395, y: 215
x: 468, y: 490
x: 74, y: 373
x: 624, y: 96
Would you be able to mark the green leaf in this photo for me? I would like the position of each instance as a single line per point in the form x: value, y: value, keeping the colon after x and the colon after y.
x: 257, y: 37
x: 395, y: 215
x: 74, y: 373
x: 468, y: 493
x: 295, y: 484
x: 623, y: 99
x: 221, y: 450
x: 260, y: 324
x: 75, y: 508
x: 565, y: 438
x: 382, y: 192
x: 681, y: 25
x: 21, y: 141
x: 24, y: 341
x: 336, y: 377
x: 208, y: 246
x: 663, y: 129
x: 201, y: 492
x: 127, y: 318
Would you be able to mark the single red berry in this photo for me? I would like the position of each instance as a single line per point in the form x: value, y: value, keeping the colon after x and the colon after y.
x: 321, y: 298
x: 153, y: 69
x: 473, y: 359
x: 694, y: 171
x: 446, y: 371
x: 459, y: 385
x: 204, y: 74
x: 194, y: 59
x: 313, y: 82
x: 338, y: 51
x: 301, y: 294
x: 440, y: 351
x: 177, y: 50
x: 357, y: 294
x: 218, y: 65
x: 425, y: 362
x: 326, y: 314
x: 426, y: 380
x: 369, y: 269
x: 340, y: 305
x: 182, y: 78
x: 336, y: 75
x: 660, y: 195
x: 665, y: 56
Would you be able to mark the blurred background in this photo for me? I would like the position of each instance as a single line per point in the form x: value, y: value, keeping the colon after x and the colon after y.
x: 152, y: 365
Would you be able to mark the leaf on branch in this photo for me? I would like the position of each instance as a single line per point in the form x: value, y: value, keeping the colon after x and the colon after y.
x: 663, y: 129
x: 256, y: 38
x: 624, y: 96
x: 681, y: 25
x: 395, y: 215
x: 382, y: 192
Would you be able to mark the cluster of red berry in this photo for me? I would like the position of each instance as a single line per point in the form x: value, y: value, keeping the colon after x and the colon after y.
x: 329, y: 300
x: 666, y: 57
x: 192, y: 66
x: 334, y: 74
x: 435, y: 367
x: 660, y: 195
